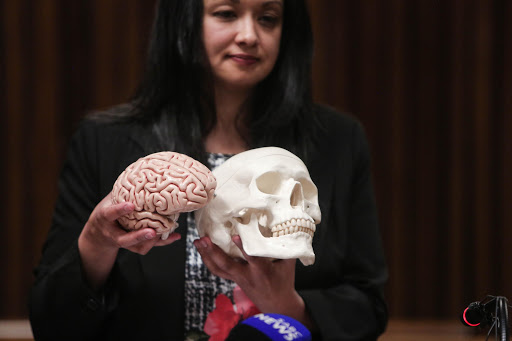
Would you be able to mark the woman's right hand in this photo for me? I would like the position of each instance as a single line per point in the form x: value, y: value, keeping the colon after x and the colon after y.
x: 102, y: 237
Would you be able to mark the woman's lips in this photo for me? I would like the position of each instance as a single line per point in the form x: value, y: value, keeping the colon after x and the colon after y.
x: 243, y: 59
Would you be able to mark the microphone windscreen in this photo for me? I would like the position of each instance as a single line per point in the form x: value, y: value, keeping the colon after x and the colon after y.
x: 247, y: 333
x: 269, y: 327
x: 473, y: 315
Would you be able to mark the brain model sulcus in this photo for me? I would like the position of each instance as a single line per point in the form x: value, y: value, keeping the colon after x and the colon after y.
x: 162, y: 185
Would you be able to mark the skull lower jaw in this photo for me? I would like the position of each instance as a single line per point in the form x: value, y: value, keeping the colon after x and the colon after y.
x: 295, y: 245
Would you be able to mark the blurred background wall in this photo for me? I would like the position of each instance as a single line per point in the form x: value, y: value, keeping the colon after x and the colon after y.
x: 427, y: 79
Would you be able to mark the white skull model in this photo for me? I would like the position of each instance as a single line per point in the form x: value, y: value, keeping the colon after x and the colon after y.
x: 267, y: 197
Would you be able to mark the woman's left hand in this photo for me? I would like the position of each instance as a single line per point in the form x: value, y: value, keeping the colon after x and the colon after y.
x: 270, y: 284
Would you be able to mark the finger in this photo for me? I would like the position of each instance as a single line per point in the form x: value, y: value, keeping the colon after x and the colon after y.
x: 250, y: 259
x: 216, y: 260
x: 144, y: 247
x: 204, y: 246
x: 170, y: 239
x: 112, y: 212
x: 129, y: 239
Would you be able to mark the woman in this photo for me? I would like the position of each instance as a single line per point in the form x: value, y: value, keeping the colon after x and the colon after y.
x: 223, y: 76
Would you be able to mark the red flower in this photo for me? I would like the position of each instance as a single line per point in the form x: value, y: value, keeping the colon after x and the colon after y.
x: 224, y: 317
x: 221, y: 320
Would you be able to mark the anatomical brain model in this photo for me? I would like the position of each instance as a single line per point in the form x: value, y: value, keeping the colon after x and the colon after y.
x: 267, y: 197
x: 162, y: 185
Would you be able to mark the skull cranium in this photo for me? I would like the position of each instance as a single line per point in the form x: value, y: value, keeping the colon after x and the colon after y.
x: 267, y: 197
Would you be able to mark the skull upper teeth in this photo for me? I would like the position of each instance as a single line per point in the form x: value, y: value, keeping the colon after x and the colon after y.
x: 293, y: 226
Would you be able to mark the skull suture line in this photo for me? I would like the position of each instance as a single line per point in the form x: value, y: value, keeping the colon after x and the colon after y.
x: 267, y: 197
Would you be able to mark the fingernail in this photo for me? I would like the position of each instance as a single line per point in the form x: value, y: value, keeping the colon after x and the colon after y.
x: 197, y: 244
x: 200, y: 244
x: 127, y: 208
x: 149, y: 236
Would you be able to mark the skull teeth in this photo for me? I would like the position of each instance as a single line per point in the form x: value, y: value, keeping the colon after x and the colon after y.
x: 294, y: 226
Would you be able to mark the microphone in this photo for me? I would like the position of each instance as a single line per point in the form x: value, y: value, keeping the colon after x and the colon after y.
x: 475, y: 315
x: 269, y: 327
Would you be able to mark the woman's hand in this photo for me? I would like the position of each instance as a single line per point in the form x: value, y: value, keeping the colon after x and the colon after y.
x: 102, y: 237
x: 270, y: 284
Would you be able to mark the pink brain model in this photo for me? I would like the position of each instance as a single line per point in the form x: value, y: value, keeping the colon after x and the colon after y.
x: 162, y: 185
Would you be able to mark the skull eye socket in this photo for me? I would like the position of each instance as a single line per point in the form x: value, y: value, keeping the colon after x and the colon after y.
x: 308, y: 189
x: 269, y: 183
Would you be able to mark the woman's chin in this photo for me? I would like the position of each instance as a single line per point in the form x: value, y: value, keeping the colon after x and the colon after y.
x: 242, y: 82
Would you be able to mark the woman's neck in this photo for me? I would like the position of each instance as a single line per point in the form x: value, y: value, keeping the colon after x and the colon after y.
x: 229, y: 103
x: 226, y: 137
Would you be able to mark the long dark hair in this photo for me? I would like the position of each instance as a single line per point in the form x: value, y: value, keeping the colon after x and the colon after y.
x: 175, y: 97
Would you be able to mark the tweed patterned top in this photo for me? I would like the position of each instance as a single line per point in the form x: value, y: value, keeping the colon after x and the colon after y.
x: 201, y: 286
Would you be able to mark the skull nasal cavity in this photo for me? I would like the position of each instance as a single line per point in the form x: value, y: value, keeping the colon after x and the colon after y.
x: 297, y: 198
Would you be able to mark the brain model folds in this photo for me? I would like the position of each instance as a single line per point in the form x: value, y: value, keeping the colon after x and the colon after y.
x: 161, y: 186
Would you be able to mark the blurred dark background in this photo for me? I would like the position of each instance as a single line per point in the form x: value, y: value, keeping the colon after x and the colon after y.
x: 427, y: 79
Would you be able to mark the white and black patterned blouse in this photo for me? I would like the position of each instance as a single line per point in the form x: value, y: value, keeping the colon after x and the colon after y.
x: 201, y: 286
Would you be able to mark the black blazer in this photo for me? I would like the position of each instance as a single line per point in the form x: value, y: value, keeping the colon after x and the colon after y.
x: 144, y: 296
